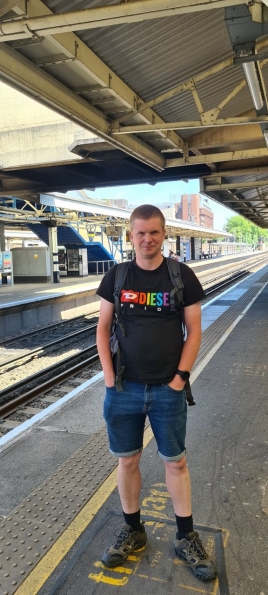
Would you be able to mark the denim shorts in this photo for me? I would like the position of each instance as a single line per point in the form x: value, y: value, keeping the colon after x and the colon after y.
x: 125, y: 414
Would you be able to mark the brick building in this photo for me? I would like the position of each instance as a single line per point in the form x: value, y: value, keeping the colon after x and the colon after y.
x: 195, y: 209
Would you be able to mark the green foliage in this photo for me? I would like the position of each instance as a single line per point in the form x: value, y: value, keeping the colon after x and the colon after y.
x: 245, y: 231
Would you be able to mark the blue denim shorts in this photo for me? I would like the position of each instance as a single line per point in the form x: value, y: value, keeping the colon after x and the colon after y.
x: 125, y: 414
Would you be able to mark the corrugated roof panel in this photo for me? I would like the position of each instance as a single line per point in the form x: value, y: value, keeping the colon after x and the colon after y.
x: 68, y: 6
x: 187, y: 38
x: 140, y: 54
x: 211, y: 92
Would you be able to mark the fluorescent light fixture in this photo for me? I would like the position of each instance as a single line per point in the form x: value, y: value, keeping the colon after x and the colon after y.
x: 265, y: 134
x: 253, y: 83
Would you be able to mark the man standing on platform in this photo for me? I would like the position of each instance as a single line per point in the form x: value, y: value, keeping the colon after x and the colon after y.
x: 156, y: 364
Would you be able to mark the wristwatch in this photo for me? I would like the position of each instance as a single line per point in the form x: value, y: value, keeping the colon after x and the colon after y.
x: 183, y: 374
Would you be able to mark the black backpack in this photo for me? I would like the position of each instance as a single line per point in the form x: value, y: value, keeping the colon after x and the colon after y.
x: 176, y: 300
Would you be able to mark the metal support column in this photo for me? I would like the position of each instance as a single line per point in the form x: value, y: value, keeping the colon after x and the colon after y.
x: 124, y: 241
x: 184, y: 249
x: 192, y: 249
x: 2, y: 237
x: 54, y: 258
x: 178, y: 245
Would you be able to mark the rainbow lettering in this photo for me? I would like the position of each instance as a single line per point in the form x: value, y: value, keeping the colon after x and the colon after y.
x: 130, y: 296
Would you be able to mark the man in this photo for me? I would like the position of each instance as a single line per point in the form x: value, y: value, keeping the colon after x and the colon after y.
x: 156, y: 366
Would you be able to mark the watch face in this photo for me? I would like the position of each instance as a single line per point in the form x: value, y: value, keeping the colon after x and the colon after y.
x: 183, y: 374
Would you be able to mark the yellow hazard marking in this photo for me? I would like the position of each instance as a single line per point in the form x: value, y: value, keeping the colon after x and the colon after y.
x: 62, y: 546
x: 119, y: 569
x: 158, y: 515
x: 102, y: 578
x: 210, y: 546
x: 157, y: 503
x: 153, y: 578
x: 108, y: 579
x: 156, y: 526
x: 179, y: 562
x: 196, y: 589
x: 132, y: 558
x: 157, y: 493
x: 156, y: 559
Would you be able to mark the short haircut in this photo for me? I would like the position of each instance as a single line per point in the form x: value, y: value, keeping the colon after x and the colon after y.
x: 146, y: 212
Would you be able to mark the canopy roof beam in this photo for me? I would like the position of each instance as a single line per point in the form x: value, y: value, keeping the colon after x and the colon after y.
x: 217, y: 157
x: 70, y: 46
x: 105, y: 16
x: 210, y: 186
x: 144, y: 128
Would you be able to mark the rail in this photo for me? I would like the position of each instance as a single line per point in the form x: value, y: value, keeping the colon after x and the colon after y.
x: 48, y: 346
x: 11, y: 406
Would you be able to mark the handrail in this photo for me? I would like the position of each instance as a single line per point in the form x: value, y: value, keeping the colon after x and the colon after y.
x: 102, y: 266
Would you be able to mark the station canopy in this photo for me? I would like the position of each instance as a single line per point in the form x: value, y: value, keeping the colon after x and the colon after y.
x: 171, y: 91
x: 55, y: 210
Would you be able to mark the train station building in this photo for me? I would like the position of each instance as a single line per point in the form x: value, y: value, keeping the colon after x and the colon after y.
x: 94, y: 95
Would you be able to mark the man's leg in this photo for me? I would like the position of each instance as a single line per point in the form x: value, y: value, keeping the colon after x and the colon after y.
x: 188, y: 545
x: 129, y: 483
x: 179, y: 486
x: 132, y: 535
x: 125, y: 419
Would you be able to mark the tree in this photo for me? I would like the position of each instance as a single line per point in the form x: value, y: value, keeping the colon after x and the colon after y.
x: 245, y: 231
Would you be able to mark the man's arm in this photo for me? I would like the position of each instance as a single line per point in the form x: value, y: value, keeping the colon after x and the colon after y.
x: 103, y: 340
x: 192, y: 316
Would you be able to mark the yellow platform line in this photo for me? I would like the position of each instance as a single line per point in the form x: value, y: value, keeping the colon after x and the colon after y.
x: 65, y: 542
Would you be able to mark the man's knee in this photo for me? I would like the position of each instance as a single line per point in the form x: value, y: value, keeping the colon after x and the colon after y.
x: 129, y: 464
x: 176, y: 466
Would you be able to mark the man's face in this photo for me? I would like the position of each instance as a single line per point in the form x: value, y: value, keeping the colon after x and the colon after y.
x: 147, y: 236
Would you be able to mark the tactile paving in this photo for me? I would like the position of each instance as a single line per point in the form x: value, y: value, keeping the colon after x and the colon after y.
x: 212, y: 333
x: 32, y: 528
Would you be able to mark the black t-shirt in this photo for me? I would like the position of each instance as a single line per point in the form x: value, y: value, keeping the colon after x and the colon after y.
x: 151, y: 349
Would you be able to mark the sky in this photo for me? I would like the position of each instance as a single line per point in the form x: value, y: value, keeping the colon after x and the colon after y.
x: 144, y: 193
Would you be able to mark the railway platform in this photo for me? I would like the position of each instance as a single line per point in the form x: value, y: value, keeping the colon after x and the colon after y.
x: 30, y: 305
x: 59, y: 506
x: 27, y: 306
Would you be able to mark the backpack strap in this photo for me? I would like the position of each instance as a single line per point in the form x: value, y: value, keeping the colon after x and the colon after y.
x: 189, y: 394
x: 115, y: 350
x: 175, y: 275
x: 120, y: 275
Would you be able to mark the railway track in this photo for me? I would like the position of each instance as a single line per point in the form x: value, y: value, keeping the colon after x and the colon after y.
x: 224, y: 273
x: 45, y: 387
x: 48, y: 385
x: 48, y: 346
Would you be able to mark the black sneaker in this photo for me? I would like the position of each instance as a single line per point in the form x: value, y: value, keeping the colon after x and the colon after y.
x: 126, y: 542
x: 191, y: 550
